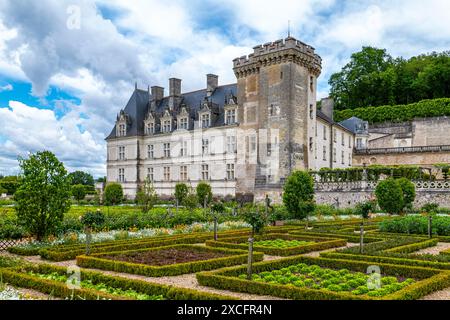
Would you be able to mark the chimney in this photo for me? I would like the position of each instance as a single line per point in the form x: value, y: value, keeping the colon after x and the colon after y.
x: 157, y: 93
x: 212, y: 82
x: 174, y: 87
x: 327, y: 107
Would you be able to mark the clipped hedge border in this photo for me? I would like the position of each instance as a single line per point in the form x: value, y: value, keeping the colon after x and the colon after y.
x: 55, y: 288
x: 387, y: 259
x: 236, y: 257
x: 412, y: 247
x: 321, y: 244
x: 430, y: 280
x: 349, y: 237
x: 167, y: 291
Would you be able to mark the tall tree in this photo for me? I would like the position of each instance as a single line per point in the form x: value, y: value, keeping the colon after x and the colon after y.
x: 81, y: 177
x: 44, y: 194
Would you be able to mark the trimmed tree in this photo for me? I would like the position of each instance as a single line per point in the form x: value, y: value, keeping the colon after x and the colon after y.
x: 181, y: 191
x: 390, y: 196
x: 298, y: 195
x: 78, y: 192
x: 204, y: 193
x: 113, y: 194
x: 191, y: 200
x: 146, y: 197
x: 44, y: 194
x: 409, y: 192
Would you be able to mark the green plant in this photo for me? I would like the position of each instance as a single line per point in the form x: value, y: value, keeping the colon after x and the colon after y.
x: 93, y: 219
x: 146, y: 197
x: 298, y: 194
x: 78, y: 192
x: 430, y: 207
x: 409, y: 192
x: 113, y: 193
x: 390, y: 196
x: 365, y: 208
x: 191, y: 200
x: 255, y: 217
x: 44, y: 194
x: 181, y: 192
x: 204, y: 193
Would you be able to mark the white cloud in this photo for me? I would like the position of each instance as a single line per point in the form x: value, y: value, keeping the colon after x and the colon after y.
x: 6, y: 87
x: 29, y: 129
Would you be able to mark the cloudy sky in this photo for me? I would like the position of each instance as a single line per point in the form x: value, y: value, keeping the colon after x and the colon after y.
x: 68, y: 67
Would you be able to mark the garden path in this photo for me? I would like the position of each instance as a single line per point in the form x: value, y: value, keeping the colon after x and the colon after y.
x: 441, y: 246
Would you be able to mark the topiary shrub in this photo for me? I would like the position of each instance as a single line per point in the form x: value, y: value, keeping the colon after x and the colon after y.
x: 409, y: 192
x: 113, y: 194
x: 78, y: 192
x: 93, y: 219
x: 181, y: 192
x: 390, y: 196
x: 204, y: 193
x: 298, y: 195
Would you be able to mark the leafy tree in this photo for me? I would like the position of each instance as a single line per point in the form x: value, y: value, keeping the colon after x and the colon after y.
x: 255, y: 217
x: 363, y: 209
x: 146, y: 197
x: 93, y: 219
x: 409, y: 192
x: 298, y: 195
x: 181, y: 191
x: 113, y: 194
x: 80, y: 177
x: 191, y: 200
x: 204, y: 193
x: 390, y: 196
x: 78, y: 192
x: 44, y: 194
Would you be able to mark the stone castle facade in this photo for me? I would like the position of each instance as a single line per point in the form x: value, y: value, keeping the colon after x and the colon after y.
x: 242, y: 138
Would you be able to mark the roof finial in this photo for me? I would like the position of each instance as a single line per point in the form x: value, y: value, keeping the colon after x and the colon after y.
x: 289, y: 28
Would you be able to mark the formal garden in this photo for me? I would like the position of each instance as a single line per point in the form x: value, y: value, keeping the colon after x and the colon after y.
x: 199, y: 247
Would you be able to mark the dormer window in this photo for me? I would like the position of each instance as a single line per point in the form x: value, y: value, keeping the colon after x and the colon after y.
x: 122, y: 130
x: 230, y: 116
x: 205, y: 120
x: 183, y: 123
x: 167, y: 126
x: 149, y: 128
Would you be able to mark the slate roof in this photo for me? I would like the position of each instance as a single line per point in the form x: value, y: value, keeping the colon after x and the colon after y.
x: 139, y: 105
x: 355, y: 125
x: 326, y: 118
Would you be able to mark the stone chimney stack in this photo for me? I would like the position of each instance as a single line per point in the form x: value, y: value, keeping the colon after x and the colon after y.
x: 174, y: 87
x: 212, y: 82
x: 157, y: 93
x: 327, y: 107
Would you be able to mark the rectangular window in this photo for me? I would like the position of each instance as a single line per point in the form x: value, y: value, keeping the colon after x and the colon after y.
x: 150, y: 151
x: 150, y: 174
x: 343, y: 139
x: 183, y: 123
x: 231, y: 116
x: 122, y: 130
x: 150, y: 128
x: 324, y: 153
x: 183, y: 173
x: 167, y: 125
x: 349, y: 159
x: 205, y: 120
x: 311, y: 144
x: 342, y: 157
x: 269, y: 149
x: 166, y: 150
x: 121, y: 153
x: 205, y: 172
x: 359, y: 143
x: 231, y: 144
x: 183, y: 148
x: 166, y: 173
x: 334, y: 154
x: 121, y: 175
x: 311, y: 83
x: 230, y: 171
x: 205, y: 146
x: 324, y: 132
x: 311, y: 111
x: 349, y: 142
x: 253, y: 144
x: 334, y: 135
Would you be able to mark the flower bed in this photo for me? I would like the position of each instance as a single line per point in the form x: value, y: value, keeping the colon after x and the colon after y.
x: 426, y: 280
x: 50, y: 279
x: 305, y: 244
x: 112, y: 261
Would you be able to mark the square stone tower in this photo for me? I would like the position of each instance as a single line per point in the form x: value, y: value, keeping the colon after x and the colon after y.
x: 276, y: 91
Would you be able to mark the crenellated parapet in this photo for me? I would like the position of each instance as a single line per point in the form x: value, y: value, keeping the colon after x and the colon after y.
x: 280, y: 51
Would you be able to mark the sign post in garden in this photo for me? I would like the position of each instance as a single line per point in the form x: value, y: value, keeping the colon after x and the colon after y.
x: 250, y: 258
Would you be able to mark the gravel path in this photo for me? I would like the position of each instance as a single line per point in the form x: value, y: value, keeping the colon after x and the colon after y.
x: 441, y: 246
x: 438, y: 295
x: 316, y: 254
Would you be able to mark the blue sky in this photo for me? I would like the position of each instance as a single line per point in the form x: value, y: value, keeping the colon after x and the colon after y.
x: 67, y: 67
